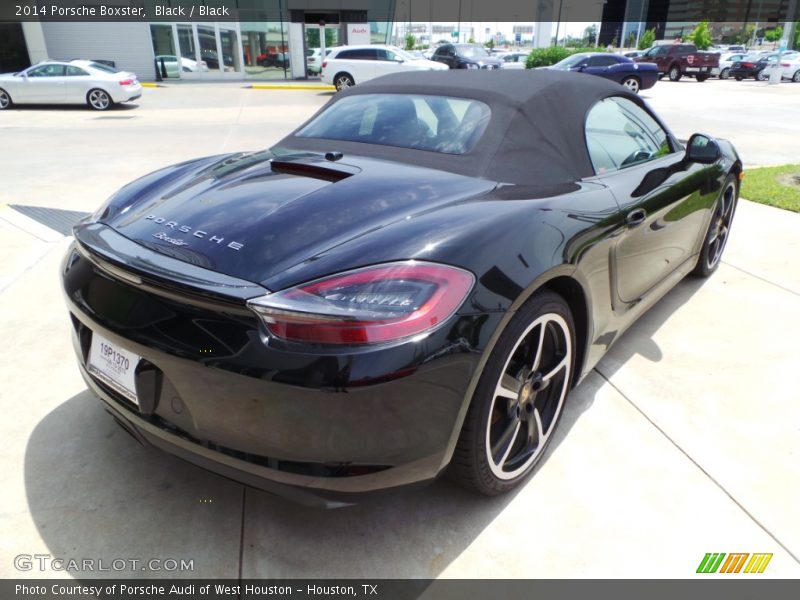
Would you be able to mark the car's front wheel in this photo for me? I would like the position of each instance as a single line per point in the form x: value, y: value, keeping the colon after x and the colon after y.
x: 5, y: 99
x: 99, y: 99
x: 761, y: 76
x: 796, y: 77
x: 675, y: 73
x: 343, y: 81
x: 718, y: 230
x: 632, y: 83
x: 519, y: 398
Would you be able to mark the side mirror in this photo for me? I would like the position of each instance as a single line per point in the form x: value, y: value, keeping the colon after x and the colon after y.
x: 702, y: 149
x: 582, y: 66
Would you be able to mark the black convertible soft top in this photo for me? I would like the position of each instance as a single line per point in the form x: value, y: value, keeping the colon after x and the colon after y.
x: 535, y: 135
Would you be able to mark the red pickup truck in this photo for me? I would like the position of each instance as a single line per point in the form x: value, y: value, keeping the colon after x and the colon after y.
x: 677, y: 60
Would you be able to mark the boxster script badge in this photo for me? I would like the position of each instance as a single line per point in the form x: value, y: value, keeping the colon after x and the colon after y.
x: 198, y: 233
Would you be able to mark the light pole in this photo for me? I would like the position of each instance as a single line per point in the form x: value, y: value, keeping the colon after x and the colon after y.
x: 641, y: 16
x: 787, y: 38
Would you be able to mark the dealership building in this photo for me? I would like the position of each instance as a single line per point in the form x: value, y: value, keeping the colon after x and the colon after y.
x: 260, y: 40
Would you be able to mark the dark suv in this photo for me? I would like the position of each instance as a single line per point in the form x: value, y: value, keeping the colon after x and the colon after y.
x: 466, y: 56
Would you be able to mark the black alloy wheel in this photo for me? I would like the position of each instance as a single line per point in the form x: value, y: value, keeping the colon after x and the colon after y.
x: 718, y: 230
x: 519, y: 398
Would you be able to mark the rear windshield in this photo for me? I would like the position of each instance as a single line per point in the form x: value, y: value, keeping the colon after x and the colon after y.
x: 102, y: 67
x: 434, y: 123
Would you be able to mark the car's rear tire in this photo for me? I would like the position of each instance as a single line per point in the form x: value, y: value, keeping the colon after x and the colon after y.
x: 718, y: 231
x: 796, y: 76
x: 761, y: 76
x: 342, y: 81
x: 701, y: 78
x: 675, y: 73
x: 725, y: 73
x: 738, y: 78
x: 632, y: 83
x: 99, y: 99
x: 5, y: 99
x: 519, y: 398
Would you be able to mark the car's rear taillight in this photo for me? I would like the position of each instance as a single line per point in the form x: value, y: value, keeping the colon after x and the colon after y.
x: 378, y: 304
x: 126, y: 82
x: 324, y: 64
x: 747, y: 65
x: 786, y: 64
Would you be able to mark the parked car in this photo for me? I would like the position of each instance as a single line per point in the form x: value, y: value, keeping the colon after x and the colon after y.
x: 677, y: 60
x: 615, y: 67
x: 273, y: 59
x: 69, y: 82
x: 753, y: 66
x: 632, y: 53
x: 314, y: 60
x: 411, y: 281
x: 513, y: 60
x: 211, y: 59
x: 466, y: 56
x: 174, y: 67
x: 348, y: 65
x: 725, y: 63
x: 736, y: 48
x: 790, y: 68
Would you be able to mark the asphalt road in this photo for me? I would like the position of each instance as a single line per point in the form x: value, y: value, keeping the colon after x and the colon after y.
x: 685, y: 439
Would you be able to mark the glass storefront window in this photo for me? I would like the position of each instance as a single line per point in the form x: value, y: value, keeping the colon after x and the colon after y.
x: 186, y: 42
x: 266, y: 50
x: 208, y: 47
x: 164, y: 50
x: 230, y: 54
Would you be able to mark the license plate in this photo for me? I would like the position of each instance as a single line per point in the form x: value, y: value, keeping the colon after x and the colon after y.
x: 114, y: 366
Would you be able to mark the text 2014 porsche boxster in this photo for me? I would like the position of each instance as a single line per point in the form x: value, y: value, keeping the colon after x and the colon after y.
x: 408, y: 284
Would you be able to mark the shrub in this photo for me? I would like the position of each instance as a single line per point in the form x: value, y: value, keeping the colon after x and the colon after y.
x: 647, y: 39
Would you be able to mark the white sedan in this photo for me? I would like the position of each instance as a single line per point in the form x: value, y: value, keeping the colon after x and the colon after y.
x: 73, y: 82
x: 725, y: 63
x: 513, y: 60
x: 790, y: 67
x: 348, y: 65
x: 174, y: 68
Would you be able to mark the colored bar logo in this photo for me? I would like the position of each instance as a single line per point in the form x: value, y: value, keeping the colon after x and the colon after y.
x: 713, y: 562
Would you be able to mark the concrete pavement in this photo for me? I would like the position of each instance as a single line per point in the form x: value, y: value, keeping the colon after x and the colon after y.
x: 684, y: 440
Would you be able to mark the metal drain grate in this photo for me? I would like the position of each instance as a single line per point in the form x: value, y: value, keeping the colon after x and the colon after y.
x: 55, y: 218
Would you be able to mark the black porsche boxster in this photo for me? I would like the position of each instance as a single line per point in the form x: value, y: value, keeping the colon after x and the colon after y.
x: 409, y: 284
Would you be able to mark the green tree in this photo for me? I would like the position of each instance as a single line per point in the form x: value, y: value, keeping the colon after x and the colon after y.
x: 746, y: 34
x: 411, y: 41
x: 773, y: 35
x: 797, y: 35
x: 471, y: 40
x: 631, y: 41
x: 701, y: 36
x: 590, y: 35
x: 647, y: 39
x: 490, y: 43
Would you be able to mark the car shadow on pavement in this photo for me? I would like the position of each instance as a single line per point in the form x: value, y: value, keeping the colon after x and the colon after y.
x: 93, y: 491
x: 73, y: 107
x: 636, y: 340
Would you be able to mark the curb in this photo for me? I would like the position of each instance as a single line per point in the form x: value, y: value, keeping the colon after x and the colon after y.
x: 288, y: 86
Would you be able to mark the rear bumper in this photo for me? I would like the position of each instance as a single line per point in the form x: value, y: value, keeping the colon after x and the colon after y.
x: 319, y: 429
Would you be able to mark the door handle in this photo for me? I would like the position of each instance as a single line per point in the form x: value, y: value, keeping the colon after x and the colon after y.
x: 636, y: 217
